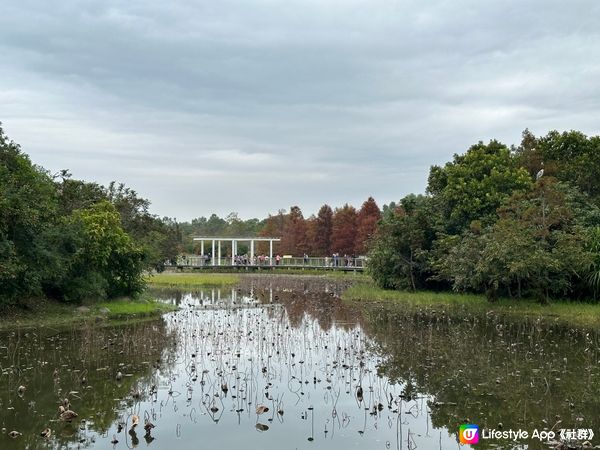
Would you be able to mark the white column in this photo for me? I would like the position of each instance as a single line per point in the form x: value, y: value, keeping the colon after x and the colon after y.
x: 232, y: 252
x: 202, y: 248
x: 271, y: 251
x: 251, y: 251
x: 219, y: 263
x: 213, y: 252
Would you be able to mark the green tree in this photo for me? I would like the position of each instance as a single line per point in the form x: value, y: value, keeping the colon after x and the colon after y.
x: 76, y: 194
x: 159, y: 239
x: 572, y: 156
x: 593, y: 246
x: 475, y: 184
x: 69, y: 239
x: 107, y: 262
x: 535, y: 249
x: 28, y: 207
x: 399, y: 256
x: 527, y: 154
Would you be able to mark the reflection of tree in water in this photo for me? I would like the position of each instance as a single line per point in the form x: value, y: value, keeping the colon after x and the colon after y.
x: 316, y: 298
x: 491, y: 371
x: 81, y: 365
x: 168, y: 294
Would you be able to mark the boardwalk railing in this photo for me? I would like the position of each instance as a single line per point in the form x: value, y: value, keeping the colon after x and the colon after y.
x: 340, y: 263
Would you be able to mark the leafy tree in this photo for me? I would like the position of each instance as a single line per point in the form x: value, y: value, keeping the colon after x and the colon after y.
x: 527, y: 154
x: 70, y: 239
x: 28, y: 206
x: 593, y: 246
x: 573, y: 157
x: 534, y: 249
x: 107, y: 263
x: 133, y: 210
x: 323, y: 231
x: 454, y: 258
x: 344, y: 230
x: 273, y: 227
x: 212, y: 226
x: 475, y: 184
x: 367, y: 218
x: 389, y: 210
x: 76, y: 194
x: 293, y: 241
x: 161, y: 244
x: 399, y: 257
x: 160, y: 239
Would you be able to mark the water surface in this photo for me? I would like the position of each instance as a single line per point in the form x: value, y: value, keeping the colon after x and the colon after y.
x: 287, y: 365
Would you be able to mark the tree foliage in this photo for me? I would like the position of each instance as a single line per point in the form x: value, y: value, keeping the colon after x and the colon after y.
x: 475, y: 184
x: 323, y: 231
x: 520, y: 223
x: 294, y: 239
x: 535, y: 249
x: 366, y: 223
x: 28, y: 207
x: 399, y: 257
x: 344, y: 230
x: 69, y: 239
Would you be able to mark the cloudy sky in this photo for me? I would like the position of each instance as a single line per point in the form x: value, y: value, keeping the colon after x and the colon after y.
x: 254, y: 105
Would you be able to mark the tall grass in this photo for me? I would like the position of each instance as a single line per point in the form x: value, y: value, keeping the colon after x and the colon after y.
x: 126, y: 307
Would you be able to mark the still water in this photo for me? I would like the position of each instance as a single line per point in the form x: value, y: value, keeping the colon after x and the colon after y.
x: 288, y: 366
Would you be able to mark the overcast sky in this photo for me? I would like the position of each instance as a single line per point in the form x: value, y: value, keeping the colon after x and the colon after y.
x: 255, y: 105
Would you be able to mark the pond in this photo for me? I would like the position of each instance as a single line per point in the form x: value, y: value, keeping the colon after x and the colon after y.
x: 287, y: 365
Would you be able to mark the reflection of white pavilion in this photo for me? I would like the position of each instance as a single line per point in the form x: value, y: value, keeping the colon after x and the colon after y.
x: 216, y: 245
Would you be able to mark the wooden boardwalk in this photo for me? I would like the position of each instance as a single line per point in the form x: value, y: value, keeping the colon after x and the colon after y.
x: 287, y: 263
x: 258, y: 268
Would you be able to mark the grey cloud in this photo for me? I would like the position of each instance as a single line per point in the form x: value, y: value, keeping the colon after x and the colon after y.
x: 252, y: 106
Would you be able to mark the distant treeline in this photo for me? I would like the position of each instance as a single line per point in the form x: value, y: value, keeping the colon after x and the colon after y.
x: 518, y: 222
x: 71, y: 240
x: 343, y: 230
x: 512, y: 222
x: 68, y: 239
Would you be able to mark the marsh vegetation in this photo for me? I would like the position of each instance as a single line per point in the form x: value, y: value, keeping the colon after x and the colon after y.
x: 282, y: 362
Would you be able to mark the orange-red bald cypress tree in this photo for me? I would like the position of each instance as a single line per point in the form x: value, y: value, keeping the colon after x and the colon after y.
x: 344, y: 230
x: 293, y: 240
x: 367, y: 220
x: 323, y: 228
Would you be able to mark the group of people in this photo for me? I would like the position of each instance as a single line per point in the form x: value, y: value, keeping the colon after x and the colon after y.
x: 342, y: 261
x: 260, y: 260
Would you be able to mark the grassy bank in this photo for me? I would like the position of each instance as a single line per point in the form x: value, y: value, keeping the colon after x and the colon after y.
x: 125, y: 307
x: 193, y: 279
x: 329, y: 274
x: 53, y: 314
x: 572, y: 313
